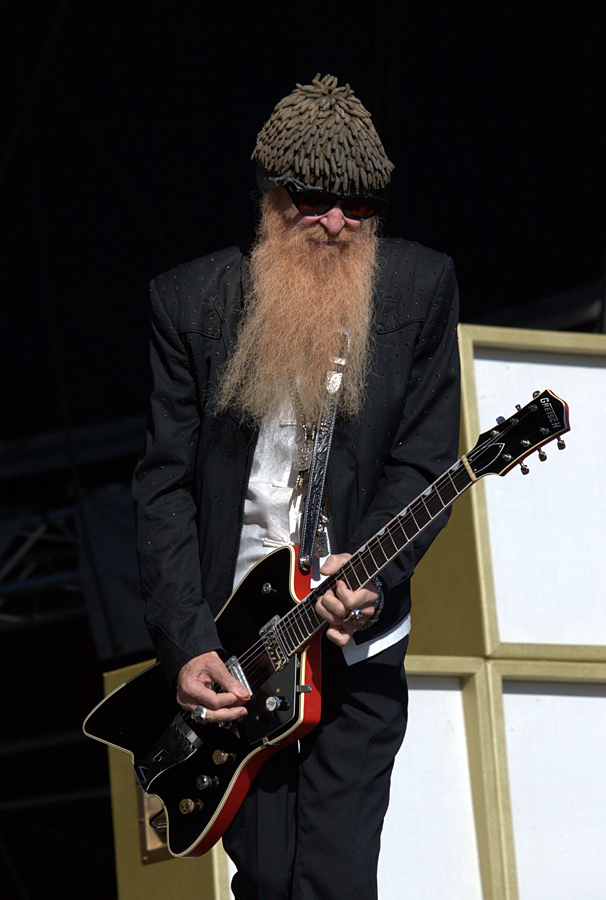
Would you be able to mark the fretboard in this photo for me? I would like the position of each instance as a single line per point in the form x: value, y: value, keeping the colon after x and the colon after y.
x: 302, y: 621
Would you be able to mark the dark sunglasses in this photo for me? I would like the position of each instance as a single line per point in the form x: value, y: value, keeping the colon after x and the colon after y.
x: 315, y: 202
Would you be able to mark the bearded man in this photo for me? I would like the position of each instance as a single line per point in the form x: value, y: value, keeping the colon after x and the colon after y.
x: 244, y: 345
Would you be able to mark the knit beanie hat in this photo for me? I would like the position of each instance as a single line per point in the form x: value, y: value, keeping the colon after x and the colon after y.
x: 321, y: 136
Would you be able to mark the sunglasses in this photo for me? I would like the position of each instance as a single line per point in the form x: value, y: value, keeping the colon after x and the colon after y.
x: 315, y: 202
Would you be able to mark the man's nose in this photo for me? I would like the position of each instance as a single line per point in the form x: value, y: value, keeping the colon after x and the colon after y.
x: 333, y: 220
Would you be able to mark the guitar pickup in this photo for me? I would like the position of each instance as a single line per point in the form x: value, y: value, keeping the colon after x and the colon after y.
x: 275, y: 649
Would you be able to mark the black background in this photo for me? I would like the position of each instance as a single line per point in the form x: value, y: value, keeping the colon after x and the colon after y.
x: 128, y: 137
x: 126, y: 142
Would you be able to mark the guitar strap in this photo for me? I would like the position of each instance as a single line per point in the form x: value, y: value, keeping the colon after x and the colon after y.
x: 317, y: 468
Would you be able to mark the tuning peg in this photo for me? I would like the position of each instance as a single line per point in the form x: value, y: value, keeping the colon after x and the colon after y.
x: 518, y: 406
x: 524, y: 468
x: 542, y: 455
x: 535, y: 394
x: 500, y: 420
x: 561, y: 444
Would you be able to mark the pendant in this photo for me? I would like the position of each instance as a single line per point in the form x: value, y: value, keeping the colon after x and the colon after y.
x: 303, y: 454
x: 322, y: 544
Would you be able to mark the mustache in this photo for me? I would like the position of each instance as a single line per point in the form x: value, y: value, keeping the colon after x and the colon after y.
x: 318, y: 234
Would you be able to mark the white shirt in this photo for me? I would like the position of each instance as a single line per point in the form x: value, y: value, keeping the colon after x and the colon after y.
x: 273, y: 511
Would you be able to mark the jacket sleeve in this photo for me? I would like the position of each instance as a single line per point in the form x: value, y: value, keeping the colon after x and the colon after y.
x: 178, y: 618
x: 426, y: 441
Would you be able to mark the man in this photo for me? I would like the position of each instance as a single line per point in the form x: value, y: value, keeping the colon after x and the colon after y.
x: 242, y: 344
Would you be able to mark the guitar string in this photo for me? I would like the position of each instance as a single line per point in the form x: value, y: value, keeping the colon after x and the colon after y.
x: 405, y: 517
x: 417, y: 510
x: 364, y: 555
x: 302, y: 608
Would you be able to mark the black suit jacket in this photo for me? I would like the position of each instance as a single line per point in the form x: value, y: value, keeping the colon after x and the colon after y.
x: 189, y: 486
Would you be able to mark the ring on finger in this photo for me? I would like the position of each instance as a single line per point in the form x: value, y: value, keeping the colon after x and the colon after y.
x: 199, y: 714
x: 354, y: 616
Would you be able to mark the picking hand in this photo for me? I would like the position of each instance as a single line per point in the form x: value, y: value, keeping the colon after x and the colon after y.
x: 194, y: 688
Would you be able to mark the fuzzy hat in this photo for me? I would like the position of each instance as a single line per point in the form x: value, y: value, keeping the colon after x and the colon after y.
x: 321, y: 136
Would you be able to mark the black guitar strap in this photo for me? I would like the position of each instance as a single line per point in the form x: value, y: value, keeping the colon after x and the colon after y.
x: 317, y: 468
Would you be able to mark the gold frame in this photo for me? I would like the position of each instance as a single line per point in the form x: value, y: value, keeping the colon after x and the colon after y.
x: 482, y: 693
x: 456, y: 613
x: 455, y: 629
x: 487, y: 763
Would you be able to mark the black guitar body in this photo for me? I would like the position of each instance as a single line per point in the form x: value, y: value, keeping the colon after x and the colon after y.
x: 202, y: 787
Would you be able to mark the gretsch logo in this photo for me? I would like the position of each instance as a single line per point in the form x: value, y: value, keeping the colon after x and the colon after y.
x: 553, y: 419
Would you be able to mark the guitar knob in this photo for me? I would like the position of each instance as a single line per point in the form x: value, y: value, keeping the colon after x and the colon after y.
x: 500, y: 420
x: 561, y: 444
x: 220, y: 757
x: 524, y: 468
x: 203, y: 782
x: 274, y: 704
x: 187, y: 806
x: 542, y: 455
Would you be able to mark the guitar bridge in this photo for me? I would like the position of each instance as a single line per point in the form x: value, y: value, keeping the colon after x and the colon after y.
x: 273, y: 644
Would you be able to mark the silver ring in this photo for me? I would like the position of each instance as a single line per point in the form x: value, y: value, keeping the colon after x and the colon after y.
x: 354, y: 616
x: 199, y: 714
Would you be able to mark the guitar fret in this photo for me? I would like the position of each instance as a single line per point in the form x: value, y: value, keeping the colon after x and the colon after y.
x: 378, y: 563
x: 298, y: 632
x: 409, y: 526
x: 313, y: 619
x: 294, y: 637
x: 447, y: 490
x: 434, y: 504
x: 420, y: 514
x: 305, y: 622
x: 386, y: 536
x: 283, y: 632
x: 399, y: 523
x: 357, y: 572
x: 347, y: 576
x: 367, y: 564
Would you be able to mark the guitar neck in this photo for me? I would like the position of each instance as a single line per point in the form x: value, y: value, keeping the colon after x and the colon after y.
x: 302, y: 622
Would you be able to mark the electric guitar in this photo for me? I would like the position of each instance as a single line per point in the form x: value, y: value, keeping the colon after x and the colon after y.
x: 202, y: 772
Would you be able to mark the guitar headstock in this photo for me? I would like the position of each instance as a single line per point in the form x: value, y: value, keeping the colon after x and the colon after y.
x: 542, y: 420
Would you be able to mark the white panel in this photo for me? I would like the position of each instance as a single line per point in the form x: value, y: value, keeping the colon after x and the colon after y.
x: 429, y: 848
x: 555, y: 748
x: 547, y: 528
